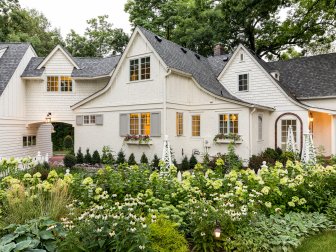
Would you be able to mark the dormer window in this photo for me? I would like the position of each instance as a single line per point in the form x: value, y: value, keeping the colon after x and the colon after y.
x: 59, y: 83
x: 243, y: 82
x: 141, y: 72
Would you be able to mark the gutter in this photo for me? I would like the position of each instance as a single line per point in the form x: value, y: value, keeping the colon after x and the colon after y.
x: 251, y: 132
x: 165, y: 103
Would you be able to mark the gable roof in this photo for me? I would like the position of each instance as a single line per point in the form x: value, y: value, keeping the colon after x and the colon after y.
x: 64, y: 51
x: 10, y: 60
x: 188, y: 62
x: 308, y: 77
x: 88, y: 67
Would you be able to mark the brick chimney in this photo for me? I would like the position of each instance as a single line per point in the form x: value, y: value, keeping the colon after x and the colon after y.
x: 219, y: 49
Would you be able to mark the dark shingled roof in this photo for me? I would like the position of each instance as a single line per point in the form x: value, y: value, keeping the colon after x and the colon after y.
x: 89, y: 67
x: 306, y: 77
x: 218, y: 63
x: 198, y: 66
x: 10, y: 60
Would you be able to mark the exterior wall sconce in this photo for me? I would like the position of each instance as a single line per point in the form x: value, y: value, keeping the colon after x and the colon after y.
x: 48, y: 118
x: 311, y: 118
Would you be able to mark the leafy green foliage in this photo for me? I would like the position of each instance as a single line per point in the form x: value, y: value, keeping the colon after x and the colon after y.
x: 121, y: 157
x: 69, y: 160
x: 80, y: 156
x: 61, y: 130
x: 164, y: 237
x: 185, y: 164
x: 131, y: 159
x: 100, y: 39
x: 192, y: 161
x: 88, y: 157
x: 35, y: 235
x: 331, y: 209
x: 200, y: 24
x: 107, y: 157
x: 143, y: 159
x: 68, y: 143
x: 155, y: 162
x: 96, y: 157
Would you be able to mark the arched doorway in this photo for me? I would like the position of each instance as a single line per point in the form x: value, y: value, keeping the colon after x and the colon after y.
x: 61, y: 131
x: 281, y: 129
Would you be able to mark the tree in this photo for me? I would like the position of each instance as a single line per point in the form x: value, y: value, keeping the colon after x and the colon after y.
x: 100, y: 39
x: 261, y: 25
x: 121, y: 157
x: 68, y: 143
x: 69, y: 160
x: 96, y: 157
x: 87, y: 157
x: 192, y: 161
x: 155, y: 162
x: 144, y: 159
x: 131, y: 160
x: 24, y: 25
x: 80, y: 156
x: 185, y: 164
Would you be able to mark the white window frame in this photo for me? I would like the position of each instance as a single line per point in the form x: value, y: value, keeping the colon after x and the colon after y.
x: 27, y: 137
x: 260, y: 127
x: 139, y: 68
x: 248, y: 82
x: 59, y: 84
x: 91, y: 121
x: 228, y: 124
x: 296, y: 134
x: 139, y: 123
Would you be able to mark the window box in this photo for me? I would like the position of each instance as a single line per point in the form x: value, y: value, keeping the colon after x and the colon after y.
x: 228, y: 138
x: 138, y: 139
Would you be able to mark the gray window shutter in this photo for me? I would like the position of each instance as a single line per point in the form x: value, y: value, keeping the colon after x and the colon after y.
x: 124, y: 124
x: 99, y: 119
x: 79, y: 120
x: 156, y: 124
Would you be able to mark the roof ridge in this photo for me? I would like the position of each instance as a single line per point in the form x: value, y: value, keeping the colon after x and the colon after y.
x: 303, y: 57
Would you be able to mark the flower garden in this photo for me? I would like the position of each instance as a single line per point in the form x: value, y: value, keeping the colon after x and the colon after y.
x: 123, y: 207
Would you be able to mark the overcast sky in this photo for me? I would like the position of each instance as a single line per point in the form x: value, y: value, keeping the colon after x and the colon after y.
x: 72, y: 14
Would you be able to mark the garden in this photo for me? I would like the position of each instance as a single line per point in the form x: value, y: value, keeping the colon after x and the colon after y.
x: 211, y: 205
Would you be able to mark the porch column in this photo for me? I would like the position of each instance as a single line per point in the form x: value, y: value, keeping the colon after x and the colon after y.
x: 333, y: 134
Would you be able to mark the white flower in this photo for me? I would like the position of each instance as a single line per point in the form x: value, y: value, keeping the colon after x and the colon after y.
x: 112, y: 234
x: 142, y: 247
x: 202, y: 234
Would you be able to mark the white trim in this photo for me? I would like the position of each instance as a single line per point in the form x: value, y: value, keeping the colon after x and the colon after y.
x: 58, y: 47
x: 121, y: 61
x: 59, y: 85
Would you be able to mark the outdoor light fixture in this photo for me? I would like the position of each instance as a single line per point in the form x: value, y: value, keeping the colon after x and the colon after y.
x: 217, y: 231
x: 48, y: 118
x: 311, y: 118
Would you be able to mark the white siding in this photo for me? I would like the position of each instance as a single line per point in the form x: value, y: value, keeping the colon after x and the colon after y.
x: 58, y: 64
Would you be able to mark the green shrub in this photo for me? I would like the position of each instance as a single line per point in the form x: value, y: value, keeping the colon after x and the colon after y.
x: 43, y: 169
x: 155, y: 162
x: 80, y: 156
x: 121, y: 157
x: 192, y: 161
x: 87, y: 157
x: 185, y: 164
x: 34, y: 235
x: 69, y: 160
x: 107, y: 157
x: 131, y: 160
x: 96, y: 158
x: 331, y: 210
x: 68, y: 143
x: 164, y: 237
x: 143, y: 159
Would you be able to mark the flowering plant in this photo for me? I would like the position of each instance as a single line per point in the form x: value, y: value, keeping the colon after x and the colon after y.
x: 138, y: 138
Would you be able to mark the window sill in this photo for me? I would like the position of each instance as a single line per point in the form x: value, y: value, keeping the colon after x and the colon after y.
x: 138, y: 143
x: 228, y: 141
x: 138, y: 81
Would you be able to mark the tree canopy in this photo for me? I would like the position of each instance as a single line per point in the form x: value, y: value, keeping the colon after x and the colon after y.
x: 99, y: 39
x: 268, y: 27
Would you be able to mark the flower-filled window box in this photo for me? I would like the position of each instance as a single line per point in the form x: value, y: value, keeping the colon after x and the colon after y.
x: 228, y: 138
x: 138, y: 139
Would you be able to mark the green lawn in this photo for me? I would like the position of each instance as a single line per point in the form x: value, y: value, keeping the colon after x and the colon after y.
x: 57, y: 153
x: 325, y: 242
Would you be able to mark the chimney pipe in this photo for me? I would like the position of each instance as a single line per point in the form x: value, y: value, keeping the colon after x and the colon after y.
x: 219, y: 49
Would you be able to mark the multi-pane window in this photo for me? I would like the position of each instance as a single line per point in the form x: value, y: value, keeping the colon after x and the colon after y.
x: 196, y: 125
x: 284, y: 131
x: 28, y: 141
x: 243, y: 82
x: 141, y: 72
x: 228, y: 123
x: 134, y: 70
x: 179, y: 124
x: 260, y: 127
x: 140, y: 124
x: 52, y: 83
x: 59, y: 83
x: 145, y: 68
x: 66, y: 84
x: 89, y: 119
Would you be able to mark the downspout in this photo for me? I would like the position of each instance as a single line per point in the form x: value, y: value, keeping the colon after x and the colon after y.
x: 165, y: 103
x: 251, y: 132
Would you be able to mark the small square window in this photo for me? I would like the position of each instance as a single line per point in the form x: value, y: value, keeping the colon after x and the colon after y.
x: 243, y: 82
x: 86, y: 119
x: 92, y: 119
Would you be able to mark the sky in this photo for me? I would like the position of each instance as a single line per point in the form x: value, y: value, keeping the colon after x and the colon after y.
x: 72, y: 14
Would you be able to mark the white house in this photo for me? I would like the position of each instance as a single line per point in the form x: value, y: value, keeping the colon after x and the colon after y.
x: 159, y: 88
